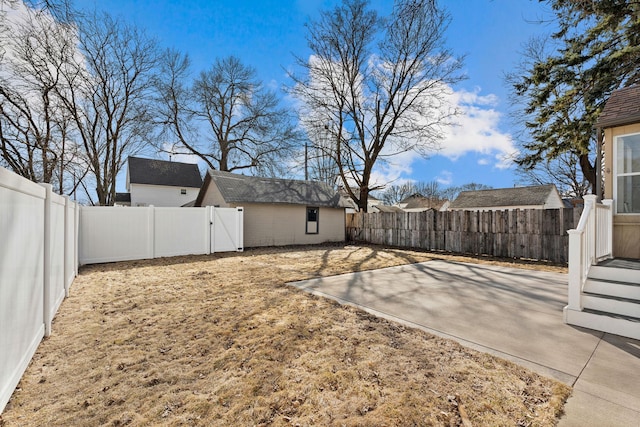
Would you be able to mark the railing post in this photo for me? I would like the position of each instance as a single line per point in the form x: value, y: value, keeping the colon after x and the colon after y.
x: 609, y: 204
x: 591, y: 230
x: 575, y: 270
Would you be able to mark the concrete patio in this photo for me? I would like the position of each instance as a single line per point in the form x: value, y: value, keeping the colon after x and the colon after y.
x: 513, y: 313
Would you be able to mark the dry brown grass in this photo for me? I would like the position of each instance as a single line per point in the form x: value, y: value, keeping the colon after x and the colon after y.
x: 221, y: 340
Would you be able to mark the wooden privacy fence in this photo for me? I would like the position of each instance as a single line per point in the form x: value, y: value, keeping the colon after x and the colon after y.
x: 532, y: 233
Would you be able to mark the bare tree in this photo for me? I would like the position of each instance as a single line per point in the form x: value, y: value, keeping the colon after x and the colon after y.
x: 226, y: 116
x: 563, y: 171
x: 74, y: 97
x: 379, y: 85
x: 35, y: 131
x: 319, y: 164
x: 394, y: 194
x: 109, y: 97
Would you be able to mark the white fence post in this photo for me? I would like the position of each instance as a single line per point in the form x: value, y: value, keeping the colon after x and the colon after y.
x: 208, y: 226
x: 46, y: 286
x: 240, y: 229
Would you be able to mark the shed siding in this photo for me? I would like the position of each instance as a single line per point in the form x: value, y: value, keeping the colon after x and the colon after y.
x: 626, y: 228
x: 213, y: 197
x: 280, y: 225
x: 554, y: 201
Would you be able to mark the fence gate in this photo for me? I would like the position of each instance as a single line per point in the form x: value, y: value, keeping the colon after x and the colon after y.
x: 227, y: 229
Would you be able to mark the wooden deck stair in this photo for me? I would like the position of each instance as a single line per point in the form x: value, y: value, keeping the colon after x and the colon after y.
x: 611, y: 298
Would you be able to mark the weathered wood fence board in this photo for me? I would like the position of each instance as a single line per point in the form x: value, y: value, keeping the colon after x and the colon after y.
x: 531, y: 233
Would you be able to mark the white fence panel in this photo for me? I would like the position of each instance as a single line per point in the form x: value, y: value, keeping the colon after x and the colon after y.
x: 110, y: 234
x: 227, y: 229
x: 115, y: 234
x: 55, y: 252
x: 181, y: 231
x: 38, y: 262
x: 21, y: 277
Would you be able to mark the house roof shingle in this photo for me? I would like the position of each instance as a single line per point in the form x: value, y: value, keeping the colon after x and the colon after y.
x: 162, y: 172
x: 517, y: 196
x: 622, y: 108
x: 249, y: 189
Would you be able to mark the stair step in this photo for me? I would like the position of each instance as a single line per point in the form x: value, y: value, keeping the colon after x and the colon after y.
x: 613, y: 305
x: 606, y: 322
x: 612, y: 288
x: 617, y: 274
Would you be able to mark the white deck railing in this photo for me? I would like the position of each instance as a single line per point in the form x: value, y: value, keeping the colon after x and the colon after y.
x: 590, y: 242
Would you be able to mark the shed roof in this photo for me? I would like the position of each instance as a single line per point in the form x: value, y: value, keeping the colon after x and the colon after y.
x: 250, y: 189
x: 517, y: 196
x: 622, y: 108
x: 162, y: 172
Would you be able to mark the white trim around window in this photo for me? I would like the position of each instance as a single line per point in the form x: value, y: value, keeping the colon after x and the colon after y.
x: 626, y: 174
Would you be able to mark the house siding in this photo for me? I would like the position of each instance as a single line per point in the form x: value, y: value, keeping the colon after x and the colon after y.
x: 626, y: 227
x: 161, y: 195
x: 280, y: 225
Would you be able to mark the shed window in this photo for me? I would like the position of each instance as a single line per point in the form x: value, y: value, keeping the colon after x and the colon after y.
x: 312, y: 220
x: 183, y: 191
x: 628, y: 174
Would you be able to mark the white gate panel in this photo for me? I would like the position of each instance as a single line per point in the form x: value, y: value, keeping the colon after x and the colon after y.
x: 227, y: 229
x: 181, y: 231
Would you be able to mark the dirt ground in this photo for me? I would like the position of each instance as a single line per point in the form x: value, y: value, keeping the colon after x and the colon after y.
x: 222, y: 340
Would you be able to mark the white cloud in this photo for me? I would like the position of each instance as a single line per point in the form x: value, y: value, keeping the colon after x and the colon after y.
x: 476, y: 129
x: 177, y: 153
x: 445, y: 178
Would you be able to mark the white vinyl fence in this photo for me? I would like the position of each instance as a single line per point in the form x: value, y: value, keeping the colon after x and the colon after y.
x: 44, y: 235
x: 128, y: 233
x: 38, y: 262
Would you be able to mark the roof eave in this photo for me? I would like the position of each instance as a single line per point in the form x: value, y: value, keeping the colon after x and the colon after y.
x: 615, y: 122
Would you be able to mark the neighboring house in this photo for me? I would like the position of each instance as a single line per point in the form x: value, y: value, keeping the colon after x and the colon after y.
x: 385, y: 208
x: 534, y: 197
x: 123, y: 199
x: 161, y: 183
x: 604, y: 250
x: 278, y: 212
x: 351, y: 205
x: 420, y: 203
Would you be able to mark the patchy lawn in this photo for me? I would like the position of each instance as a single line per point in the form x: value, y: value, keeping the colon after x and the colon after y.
x: 221, y: 340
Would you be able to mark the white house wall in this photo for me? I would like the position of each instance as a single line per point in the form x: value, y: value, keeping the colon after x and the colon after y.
x: 161, y: 195
x: 281, y: 224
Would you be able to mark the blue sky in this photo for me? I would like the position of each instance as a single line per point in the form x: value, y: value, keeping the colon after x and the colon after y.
x: 267, y: 35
